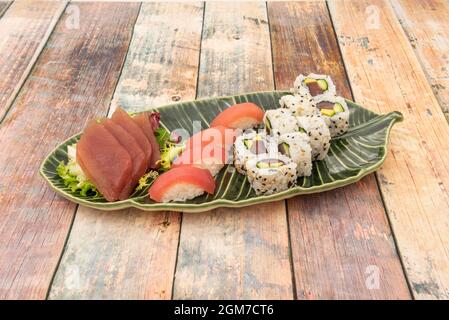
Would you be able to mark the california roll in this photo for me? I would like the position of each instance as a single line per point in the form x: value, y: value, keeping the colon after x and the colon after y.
x: 279, y: 121
x: 296, y: 146
x: 250, y: 145
x: 318, y: 133
x: 335, y: 112
x: 299, y: 105
x: 316, y: 85
x: 270, y: 174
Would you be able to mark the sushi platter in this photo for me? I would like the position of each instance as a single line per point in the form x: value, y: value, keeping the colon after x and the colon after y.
x: 222, y: 152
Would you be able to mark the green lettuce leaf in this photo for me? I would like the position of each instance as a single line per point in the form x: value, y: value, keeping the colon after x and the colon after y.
x: 74, y: 178
x: 169, y: 149
x: 147, y: 180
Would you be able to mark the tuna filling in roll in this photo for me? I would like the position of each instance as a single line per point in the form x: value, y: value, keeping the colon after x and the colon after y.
x: 329, y: 109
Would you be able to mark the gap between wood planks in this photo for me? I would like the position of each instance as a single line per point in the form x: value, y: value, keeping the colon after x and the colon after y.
x: 315, y: 50
x: 426, y: 24
x: 155, y: 244
x: 77, y: 206
x: 414, y: 177
x: 30, y: 265
x: 196, y: 95
x: 197, y: 89
x: 375, y: 173
x: 18, y: 86
x: 290, y: 255
x: 4, y: 7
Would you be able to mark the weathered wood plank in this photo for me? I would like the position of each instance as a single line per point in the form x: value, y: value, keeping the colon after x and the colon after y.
x: 25, y: 29
x: 239, y: 253
x: 385, y: 75
x: 63, y: 92
x: 338, y: 236
x: 426, y: 23
x: 4, y: 5
x: 131, y: 254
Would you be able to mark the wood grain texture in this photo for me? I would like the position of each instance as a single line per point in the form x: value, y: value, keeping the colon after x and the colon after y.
x: 337, y: 237
x: 386, y: 75
x: 4, y: 5
x: 131, y: 254
x: 25, y: 29
x: 426, y: 24
x: 234, y: 253
x: 72, y: 82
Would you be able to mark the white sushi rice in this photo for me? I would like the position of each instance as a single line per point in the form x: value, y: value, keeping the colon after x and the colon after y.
x: 338, y: 123
x: 300, y: 88
x: 242, y: 153
x: 182, y: 192
x: 211, y: 165
x: 299, y: 150
x: 279, y: 121
x: 298, y: 105
x: 318, y: 133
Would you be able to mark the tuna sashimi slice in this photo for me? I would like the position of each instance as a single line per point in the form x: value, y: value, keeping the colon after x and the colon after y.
x: 187, y: 175
x: 144, y: 123
x: 106, y: 163
x: 128, y: 142
x: 122, y: 118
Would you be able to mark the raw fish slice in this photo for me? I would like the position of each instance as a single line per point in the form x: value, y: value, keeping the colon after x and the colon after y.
x: 218, y: 135
x: 135, y: 151
x: 239, y: 116
x: 184, y: 182
x: 212, y: 157
x: 106, y: 163
x: 144, y: 123
x: 122, y: 118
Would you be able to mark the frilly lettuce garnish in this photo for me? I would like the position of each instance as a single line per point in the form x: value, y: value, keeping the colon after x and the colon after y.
x: 74, y: 177
x: 170, y: 148
x: 147, y: 180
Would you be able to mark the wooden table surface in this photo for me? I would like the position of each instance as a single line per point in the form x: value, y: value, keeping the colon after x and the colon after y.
x: 385, y: 237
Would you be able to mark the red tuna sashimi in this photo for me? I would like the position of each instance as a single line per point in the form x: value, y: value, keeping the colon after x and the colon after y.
x: 135, y: 151
x: 144, y: 123
x: 122, y: 118
x: 106, y: 163
x: 240, y: 116
x: 182, y: 175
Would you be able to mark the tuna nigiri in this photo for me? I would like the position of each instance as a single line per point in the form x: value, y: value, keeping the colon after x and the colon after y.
x: 182, y: 183
x: 240, y: 116
x: 212, y: 157
x: 217, y: 135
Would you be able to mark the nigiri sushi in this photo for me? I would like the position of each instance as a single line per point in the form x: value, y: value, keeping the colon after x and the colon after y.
x: 240, y: 116
x: 216, y: 135
x: 181, y: 184
x: 212, y: 157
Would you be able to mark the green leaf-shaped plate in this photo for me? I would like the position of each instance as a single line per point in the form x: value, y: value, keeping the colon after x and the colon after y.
x: 353, y: 155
